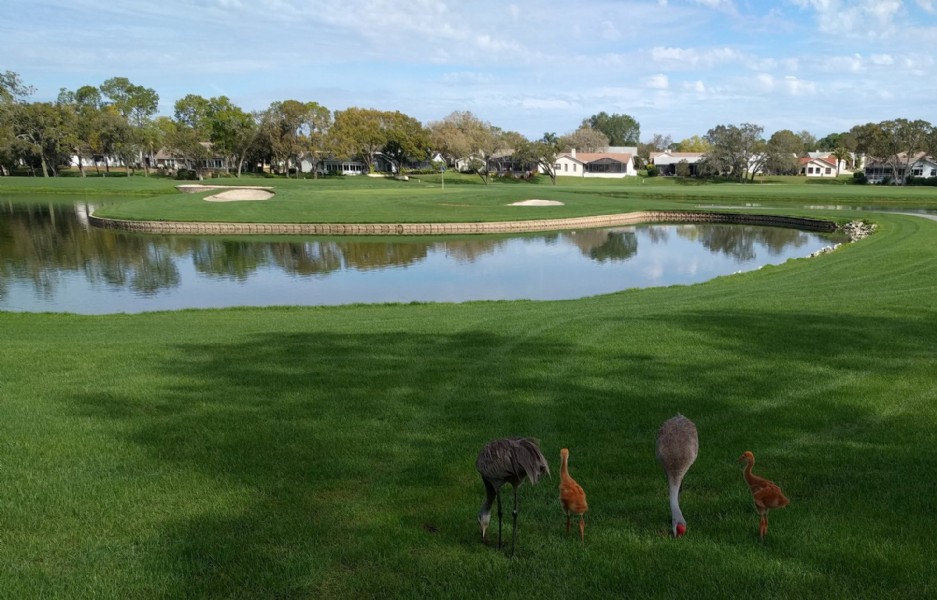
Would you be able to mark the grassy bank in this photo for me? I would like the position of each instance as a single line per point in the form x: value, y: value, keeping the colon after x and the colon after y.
x: 273, y: 453
x: 464, y: 198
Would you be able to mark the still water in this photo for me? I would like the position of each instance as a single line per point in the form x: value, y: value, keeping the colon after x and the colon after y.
x: 52, y: 260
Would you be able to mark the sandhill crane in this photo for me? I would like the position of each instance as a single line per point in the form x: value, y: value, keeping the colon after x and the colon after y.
x: 572, y: 496
x: 509, y: 460
x: 765, y: 493
x: 677, y: 447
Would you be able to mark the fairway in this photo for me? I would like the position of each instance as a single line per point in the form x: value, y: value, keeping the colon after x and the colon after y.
x: 330, y: 452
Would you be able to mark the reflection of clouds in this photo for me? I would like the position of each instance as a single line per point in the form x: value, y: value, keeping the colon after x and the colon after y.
x: 654, y: 271
x: 691, y: 267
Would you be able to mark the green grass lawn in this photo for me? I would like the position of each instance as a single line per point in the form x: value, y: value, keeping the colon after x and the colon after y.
x: 464, y: 198
x: 329, y: 452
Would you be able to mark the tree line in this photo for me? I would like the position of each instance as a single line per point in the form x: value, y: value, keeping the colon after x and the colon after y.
x: 118, y: 119
x: 739, y: 151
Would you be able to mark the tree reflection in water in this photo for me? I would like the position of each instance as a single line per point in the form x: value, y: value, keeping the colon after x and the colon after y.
x: 738, y: 241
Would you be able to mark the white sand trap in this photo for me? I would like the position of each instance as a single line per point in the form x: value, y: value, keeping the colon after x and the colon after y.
x: 537, y: 203
x: 239, y: 194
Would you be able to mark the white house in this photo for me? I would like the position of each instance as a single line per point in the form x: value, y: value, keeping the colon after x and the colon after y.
x: 919, y: 165
x: 842, y: 165
x: 818, y: 167
x: 95, y: 160
x: 667, y: 161
x: 615, y: 162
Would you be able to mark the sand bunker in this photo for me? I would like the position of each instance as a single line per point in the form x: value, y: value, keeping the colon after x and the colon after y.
x: 239, y: 194
x: 537, y: 203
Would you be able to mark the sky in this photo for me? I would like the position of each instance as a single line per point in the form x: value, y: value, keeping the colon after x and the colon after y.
x: 679, y: 67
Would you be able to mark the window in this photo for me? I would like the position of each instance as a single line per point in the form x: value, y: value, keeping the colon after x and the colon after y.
x: 557, y: 166
x: 829, y: 170
x: 565, y: 167
x: 574, y: 168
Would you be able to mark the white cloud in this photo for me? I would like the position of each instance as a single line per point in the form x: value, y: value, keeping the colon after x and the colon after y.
x: 865, y: 18
x: 882, y: 60
x: 657, y: 82
x: 764, y: 82
x: 544, y: 103
x: 468, y: 77
x: 608, y: 31
x: 798, y: 87
x: 693, y: 58
x: 694, y: 86
x: 724, y: 5
x: 927, y: 5
x: 853, y: 64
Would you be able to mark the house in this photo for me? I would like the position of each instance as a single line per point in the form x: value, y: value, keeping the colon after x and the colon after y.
x: 615, y: 162
x: 169, y: 159
x: 95, y: 160
x: 843, y: 166
x: 818, y: 167
x: 667, y: 161
x: 919, y: 165
x: 332, y: 166
x: 350, y: 166
x: 500, y: 164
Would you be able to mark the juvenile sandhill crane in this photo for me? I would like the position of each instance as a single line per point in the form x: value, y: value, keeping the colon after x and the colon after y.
x: 572, y: 496
x: 677, y: 447
x: 765, y: 493
x: 508, y: 460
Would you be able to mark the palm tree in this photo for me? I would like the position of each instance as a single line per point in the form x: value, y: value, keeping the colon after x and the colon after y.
x: 841, y: 155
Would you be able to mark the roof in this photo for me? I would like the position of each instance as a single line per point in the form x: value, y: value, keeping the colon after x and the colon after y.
x: 675, y: 157
x: 589, y: 157
x: 919, y: 158
x: 827, y: 161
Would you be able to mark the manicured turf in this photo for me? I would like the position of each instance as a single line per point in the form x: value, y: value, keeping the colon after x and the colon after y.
x: 464, y: 199
x: 329, y: 452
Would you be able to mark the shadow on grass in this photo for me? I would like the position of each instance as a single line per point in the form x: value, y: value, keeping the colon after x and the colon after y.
x: 349, y: 458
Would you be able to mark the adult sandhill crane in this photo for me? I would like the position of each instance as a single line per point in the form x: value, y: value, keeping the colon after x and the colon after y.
x: 508, y: 460
x: 572, y: 496
x: 765, y: 493
x: 677, y: 447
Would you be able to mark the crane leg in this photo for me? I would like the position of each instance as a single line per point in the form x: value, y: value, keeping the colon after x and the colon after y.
x: 514, y: 528
x: 499, y: 519
x: 567, y: 522
x: 582, y: 529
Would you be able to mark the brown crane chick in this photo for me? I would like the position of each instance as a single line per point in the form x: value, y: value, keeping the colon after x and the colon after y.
x: 572, y: 496
x: 766, y: 494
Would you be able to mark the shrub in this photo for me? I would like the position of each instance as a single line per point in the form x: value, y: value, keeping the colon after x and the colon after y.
x: 652, y: 171
x: 859, y: 178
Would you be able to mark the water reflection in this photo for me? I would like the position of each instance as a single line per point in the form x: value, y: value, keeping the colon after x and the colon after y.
x: 51, y: 259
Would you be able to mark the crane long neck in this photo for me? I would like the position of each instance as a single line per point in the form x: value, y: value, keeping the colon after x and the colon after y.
x: 564, y: 469
x: 675, y: 513
x: 748, y: 472
x: 491, y: 493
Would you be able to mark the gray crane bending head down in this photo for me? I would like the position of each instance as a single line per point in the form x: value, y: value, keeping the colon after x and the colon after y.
x: 677, y: 447
x: 509, y: 460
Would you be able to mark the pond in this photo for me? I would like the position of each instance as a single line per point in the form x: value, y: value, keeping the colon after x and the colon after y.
x: 52, y: 260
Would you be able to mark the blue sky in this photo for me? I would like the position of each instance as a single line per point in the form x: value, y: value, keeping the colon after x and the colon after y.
x: 680, y: 67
